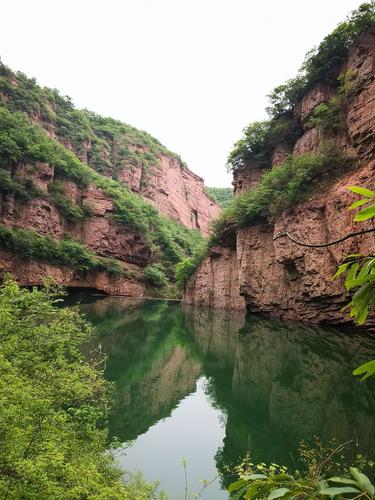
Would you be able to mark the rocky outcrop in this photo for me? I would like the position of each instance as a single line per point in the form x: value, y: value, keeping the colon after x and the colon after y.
x: 176, y: 191
x: 264, y: 271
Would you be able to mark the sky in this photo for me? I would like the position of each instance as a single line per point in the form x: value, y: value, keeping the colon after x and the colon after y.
x: 193, y: 73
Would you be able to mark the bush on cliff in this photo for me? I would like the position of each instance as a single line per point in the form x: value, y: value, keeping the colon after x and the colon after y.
x: 259, y: 141
x: 222, y: 196
x: 156, y: 276
x: 68, y: 252
x: 284, y: 186
x: 54, y: 405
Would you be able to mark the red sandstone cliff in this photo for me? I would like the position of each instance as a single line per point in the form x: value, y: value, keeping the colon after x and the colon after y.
x: 98, y: 232
x: 176, y: 191
x: 252, y: 270
x: 114, y: 150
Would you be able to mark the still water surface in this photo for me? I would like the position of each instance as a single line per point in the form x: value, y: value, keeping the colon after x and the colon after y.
x: 207, y: 386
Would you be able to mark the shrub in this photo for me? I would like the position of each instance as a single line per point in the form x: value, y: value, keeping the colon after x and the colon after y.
x: 259, y: 141
x: 156, y: 276
x: 187, y: 267
x: 325, y: 475
x: 288, y: 184
x: 54, y: 404
x: 222, y: 196
x: 31, y: 245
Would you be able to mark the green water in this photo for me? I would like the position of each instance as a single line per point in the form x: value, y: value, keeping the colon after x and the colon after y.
x: 208, y: 385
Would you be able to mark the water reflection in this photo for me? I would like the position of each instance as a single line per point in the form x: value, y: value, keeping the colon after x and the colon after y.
x: 274, y: 383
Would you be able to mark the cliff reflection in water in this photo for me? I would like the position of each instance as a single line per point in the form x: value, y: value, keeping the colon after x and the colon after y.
x: 277, y: 383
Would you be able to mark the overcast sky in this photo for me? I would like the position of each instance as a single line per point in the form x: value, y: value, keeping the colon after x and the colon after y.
x: 193, y: 73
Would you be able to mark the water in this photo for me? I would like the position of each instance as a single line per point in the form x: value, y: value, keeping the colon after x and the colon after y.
x: 207, y: 386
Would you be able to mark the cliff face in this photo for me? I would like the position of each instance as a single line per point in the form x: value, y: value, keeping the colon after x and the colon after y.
x: 98, y: 232
x: 115, y: 149
x: 254, y: 270
x: 176, y: 191
x: 66, y: 173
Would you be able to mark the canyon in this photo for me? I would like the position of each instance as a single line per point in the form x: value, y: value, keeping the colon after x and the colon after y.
x: 257, y: 267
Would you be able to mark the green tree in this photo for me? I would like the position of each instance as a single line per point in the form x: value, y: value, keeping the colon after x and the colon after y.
x: 53, y: 405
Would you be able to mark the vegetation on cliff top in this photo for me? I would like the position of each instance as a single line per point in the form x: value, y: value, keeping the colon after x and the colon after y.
x: 54, y: 405
x: 107, y: 145
x: 321, y: 65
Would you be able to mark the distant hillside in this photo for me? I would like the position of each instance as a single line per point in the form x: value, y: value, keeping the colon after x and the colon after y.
x: 222, y: 196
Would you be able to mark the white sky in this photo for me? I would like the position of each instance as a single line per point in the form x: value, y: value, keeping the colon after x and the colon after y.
x: 193, y: 73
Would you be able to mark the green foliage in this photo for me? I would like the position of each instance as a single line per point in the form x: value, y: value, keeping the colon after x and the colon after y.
x: 262, y: 481
x: 54, y: 405
x: 21, y: 189
x: 259, y: 140
x: 110, y: 144
x: 359, y: 269
x: 360, y: 275
x: 22, y: 141
x: 284, y: 186
x: 156, y: 275
x: 222, y: 196
x: 323, y: 63
x: 32, y: 246
x: 330, y: 115
x: 187, y: 267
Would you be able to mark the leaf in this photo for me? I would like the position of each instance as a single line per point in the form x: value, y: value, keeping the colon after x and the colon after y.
x: 365, y: 214
x: 354, y: 255
x: 333, y: 491
x: 358, y: 203
x: 252, y: 491
x: 363, y: 481
x: 255, y: 476
x: 341, y: 269
x: 350, y: 277
x: 343, y: 480
x: 361, y: 190
x: 367, y: 368
x: 236, y: 485
x: 278, y: 493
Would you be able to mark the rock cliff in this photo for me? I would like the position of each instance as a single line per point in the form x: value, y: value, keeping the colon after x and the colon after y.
x: 255, y: 269
x: 71, y: 174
